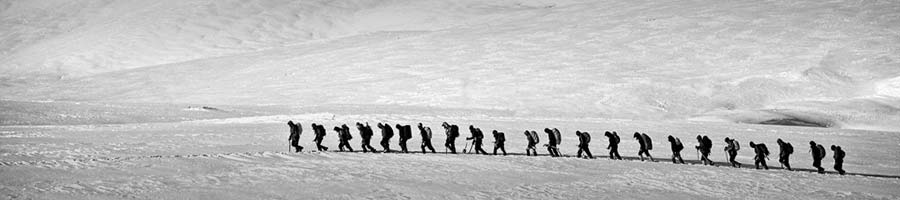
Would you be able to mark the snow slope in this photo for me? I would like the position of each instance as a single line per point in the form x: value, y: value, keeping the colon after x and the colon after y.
x: 85, y: 37
x: 245, y: 158
x: 814, y: 63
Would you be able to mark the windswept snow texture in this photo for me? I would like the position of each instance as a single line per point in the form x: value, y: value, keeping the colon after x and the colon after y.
x: 247, y: 158
x: 796, y: 62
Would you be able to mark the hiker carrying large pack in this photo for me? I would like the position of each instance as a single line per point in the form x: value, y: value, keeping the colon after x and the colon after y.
x: 677, y: 146
x: 731, y: 148
x: 838, y: 159
x: 551, y: 144
x: 762, y: 154
x: 533, y: 140
x: 645, y: 145
x: 499, y: 142
x: 365, y: 132
x: 386, y: 133
x: 613, y: 145
x: 477, y: 139
x: 294, y: 137
x: 425, y: 132
x: 818, y: 153
x: 343, y: 137
x: 584, y: 140
x: 320, y: 135
x: 452, y: 132
x: 705, y: 147
x: 405, y: 132
x: 784, y: 154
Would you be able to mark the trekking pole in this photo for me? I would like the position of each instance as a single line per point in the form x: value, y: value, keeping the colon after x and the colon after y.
x: 465, y: 147
x: 698, y: 155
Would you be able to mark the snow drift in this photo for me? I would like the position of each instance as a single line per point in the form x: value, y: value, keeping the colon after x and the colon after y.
x: 813, y: 63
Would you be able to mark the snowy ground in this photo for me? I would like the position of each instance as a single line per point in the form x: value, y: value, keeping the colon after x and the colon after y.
x: 246, y: 158
x: 175, y: 99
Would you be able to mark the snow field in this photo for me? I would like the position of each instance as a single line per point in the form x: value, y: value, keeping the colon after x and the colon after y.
x: 246, y: 158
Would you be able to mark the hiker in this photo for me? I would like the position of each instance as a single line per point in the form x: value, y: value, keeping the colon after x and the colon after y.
x: 704, y: 147
x: 405, y: 132
x: 294, y: 137
x: 762, y: 153
x: 365, y: 131
x: 499, y: 141
x: 320, y: 134
x: 731, y: 148
x: 343, y: 137
x: 452, y: 132
x: 838, y: 159
x: 478, y: 138
x: 818, y: 152
x: 646, y: 145
x: 426, y: 138
x: 613, y: 145
x: 386, y: 134
x: 784, y: 154
x: 533, y: 140
x: 551, y: 145
x: 677, y: 146
x: 584, y: 139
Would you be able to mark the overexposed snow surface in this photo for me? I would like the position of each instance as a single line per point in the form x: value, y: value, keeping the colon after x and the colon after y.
x: 821, y: 63
x: 177, y: 99
x: 246, y: 158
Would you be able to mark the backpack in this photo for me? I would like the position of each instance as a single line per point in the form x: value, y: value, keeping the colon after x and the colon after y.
x: 821, y: 151
x: 454, y: 131
x: 788, y: 148
x: 647, y: 141
x: 764, y: 149
x: 535, y: 136
x: 587, y: 137
x: 707, y: 144
x: 737, y: 145
x: 678, y: 145
x: 558, y: 136
x: 616, y: 139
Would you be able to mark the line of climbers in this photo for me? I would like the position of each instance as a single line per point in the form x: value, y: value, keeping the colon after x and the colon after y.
x: 704, y: 147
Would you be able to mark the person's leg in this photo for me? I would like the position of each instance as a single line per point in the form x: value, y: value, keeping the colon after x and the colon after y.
x: 641, y: 153
x: 839, y: 167
x: 616, y: 150
x: 496, y: 147
x: 580, y: 150
x: 787, y: 162
x: 818, y: 164
x: 588, y: 151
